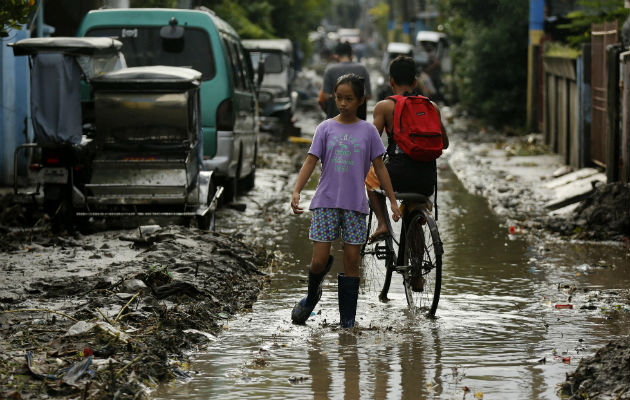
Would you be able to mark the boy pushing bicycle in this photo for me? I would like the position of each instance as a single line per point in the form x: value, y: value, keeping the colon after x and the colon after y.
x: 413, y: 143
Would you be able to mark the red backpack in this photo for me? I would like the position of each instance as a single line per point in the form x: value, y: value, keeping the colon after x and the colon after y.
x: 417, y: 127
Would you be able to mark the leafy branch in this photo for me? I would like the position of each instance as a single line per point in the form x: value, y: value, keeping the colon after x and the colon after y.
x: 13, y: 14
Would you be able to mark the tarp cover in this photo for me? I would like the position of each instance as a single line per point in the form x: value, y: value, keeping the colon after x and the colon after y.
x: 56, y: 99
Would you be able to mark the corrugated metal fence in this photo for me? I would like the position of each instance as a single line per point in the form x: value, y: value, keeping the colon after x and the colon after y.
x: 586, y: 105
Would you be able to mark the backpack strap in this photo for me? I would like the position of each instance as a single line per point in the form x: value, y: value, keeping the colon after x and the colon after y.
x: 399, y: 103
x: 391, y: 144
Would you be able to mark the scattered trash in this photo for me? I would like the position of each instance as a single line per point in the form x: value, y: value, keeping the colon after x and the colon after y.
x: 297, y: 379
x: 145, y: 230
x: 566, y: 360
x: 583, y: 267
x: 83, y: 327
x: 296, y: 139
x: 564, y: 306
x: 76, y: 371
x: 207, y: 335
x: 36, y: 373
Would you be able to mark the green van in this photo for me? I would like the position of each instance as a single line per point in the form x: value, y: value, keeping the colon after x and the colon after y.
x: 201, y: 40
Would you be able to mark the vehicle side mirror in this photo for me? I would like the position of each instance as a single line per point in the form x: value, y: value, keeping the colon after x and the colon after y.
x: 261, y: 71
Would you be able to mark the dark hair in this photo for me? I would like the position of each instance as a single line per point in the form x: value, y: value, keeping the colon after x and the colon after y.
x: 344, y: 49
x: 402, y: 70
x: 357, y: 83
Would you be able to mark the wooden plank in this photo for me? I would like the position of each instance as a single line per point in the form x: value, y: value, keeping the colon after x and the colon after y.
x: 575, y: 141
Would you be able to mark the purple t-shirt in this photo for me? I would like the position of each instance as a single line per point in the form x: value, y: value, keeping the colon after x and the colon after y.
x: 346, y: 152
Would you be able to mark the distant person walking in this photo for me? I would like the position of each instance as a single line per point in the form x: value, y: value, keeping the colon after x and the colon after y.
x: 333, y: 72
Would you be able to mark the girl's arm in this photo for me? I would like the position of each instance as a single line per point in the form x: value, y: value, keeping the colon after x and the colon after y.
x: 303, y: 176
x: 386, y: 184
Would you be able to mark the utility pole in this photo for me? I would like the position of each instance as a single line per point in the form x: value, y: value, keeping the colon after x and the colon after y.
x: 536, y: 32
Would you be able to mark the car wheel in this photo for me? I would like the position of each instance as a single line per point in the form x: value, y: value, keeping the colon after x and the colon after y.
x: 249, y: 181
x: 230, y: 188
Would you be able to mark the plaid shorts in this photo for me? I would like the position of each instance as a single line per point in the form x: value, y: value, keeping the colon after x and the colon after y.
x: 326, y: 224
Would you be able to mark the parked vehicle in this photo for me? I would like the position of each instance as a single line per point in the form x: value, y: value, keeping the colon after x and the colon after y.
x: 436, y: 61
x: 395, y: 49
x: 132, y: 150
x: 276, y: 98
x: 203, y: 41
x: 437, y: 42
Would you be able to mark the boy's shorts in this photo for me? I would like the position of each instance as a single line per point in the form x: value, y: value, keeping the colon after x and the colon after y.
x: 327, y: 223
x: 371, y: 180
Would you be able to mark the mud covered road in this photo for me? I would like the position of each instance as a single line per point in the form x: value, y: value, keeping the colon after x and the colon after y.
x: 113, y: 313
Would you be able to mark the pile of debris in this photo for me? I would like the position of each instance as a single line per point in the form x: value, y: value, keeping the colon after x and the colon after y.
x: 604, y: 215
x: 120, y: 332
x: 605, y: 375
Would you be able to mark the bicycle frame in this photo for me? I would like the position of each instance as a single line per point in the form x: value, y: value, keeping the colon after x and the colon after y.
x: 416, y: 211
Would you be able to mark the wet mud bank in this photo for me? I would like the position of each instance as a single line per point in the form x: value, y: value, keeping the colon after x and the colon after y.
x: 605, y: 375
x: 510, y: 172
x: 113, y: 314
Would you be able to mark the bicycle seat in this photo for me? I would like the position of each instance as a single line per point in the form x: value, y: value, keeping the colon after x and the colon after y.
x: 409, y: 197
x: 412, y: 197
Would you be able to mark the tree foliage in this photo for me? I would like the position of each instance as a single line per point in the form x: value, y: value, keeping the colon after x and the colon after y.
x: 380, y: 16
x: 154, y: 3
x: 578, y: 29
x: 260, y: 19
x: 489, y: 54
x: 14, y: 13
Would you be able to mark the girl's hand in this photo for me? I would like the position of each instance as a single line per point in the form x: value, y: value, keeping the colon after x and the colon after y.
x: 295, y: 204
x: 395, y: 211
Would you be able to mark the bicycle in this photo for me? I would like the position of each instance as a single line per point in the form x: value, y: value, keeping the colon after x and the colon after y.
x: 418, y: 259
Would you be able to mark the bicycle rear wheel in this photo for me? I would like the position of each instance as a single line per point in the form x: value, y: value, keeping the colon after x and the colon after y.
x: 377, y: 263
x: 422, y: 272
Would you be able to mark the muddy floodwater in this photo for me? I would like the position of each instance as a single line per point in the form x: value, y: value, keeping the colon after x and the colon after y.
x: 498, y: 333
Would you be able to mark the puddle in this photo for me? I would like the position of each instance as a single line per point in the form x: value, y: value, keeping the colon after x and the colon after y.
x: 498, y: 332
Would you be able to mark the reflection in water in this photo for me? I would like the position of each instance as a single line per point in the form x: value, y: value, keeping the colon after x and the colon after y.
x: 496, y: 320
x: 319, y: 369
x: 349, y: 365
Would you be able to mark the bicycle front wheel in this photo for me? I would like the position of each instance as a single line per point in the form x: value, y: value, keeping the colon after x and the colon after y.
x: 377, y: 261
x: 422, y: 272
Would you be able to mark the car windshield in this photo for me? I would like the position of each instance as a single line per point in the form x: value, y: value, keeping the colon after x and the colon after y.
x: 143, y: 46
x: 273, y: 61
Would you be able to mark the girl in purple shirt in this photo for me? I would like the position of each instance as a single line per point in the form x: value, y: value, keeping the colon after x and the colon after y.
x: 346, y: 146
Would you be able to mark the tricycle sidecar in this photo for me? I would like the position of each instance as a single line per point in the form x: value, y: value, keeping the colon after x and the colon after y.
x: 58, y: 156
x: 112, y: 141
x: 147, y: 158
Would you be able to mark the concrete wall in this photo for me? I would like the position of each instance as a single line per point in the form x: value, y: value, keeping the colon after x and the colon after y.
x: 15, y: 124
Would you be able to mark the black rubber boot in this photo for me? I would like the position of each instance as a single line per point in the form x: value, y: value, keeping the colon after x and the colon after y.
x: 304, y: 307
x: 348, y: 290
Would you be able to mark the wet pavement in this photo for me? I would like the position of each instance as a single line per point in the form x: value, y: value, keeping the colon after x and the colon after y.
x: 517, y: 312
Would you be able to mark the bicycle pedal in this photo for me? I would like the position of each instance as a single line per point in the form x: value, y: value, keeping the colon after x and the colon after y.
x: 381, y: 252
